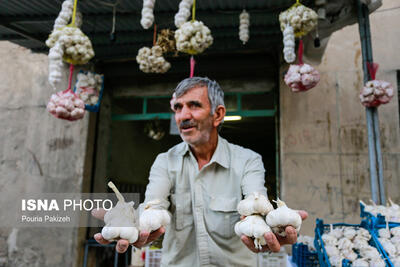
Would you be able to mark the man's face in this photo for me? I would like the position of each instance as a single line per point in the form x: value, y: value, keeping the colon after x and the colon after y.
x: 193, y: 116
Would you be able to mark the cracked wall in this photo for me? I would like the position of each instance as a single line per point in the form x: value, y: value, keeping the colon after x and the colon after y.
x: 38, y: 154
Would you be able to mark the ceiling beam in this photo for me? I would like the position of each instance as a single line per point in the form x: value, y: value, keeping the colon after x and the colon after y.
x: 22, y: 33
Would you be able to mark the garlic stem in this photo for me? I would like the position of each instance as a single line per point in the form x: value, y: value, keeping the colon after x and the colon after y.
x: 116, y: 191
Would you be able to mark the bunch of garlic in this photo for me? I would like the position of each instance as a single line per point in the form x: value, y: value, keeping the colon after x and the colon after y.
x: 282, y: 217
x: 289, y: 44
x: 88, y: 87
x: 390, y: 241
x: 151, y: 60
x: 166, y: 40
x: 153, y: 217
x: 120, y: 220
x: 254, y: 203
x: 343, y: 243
x: 66, y: 105
x: 244, y: 19
x: 183, y: 12
x: 147, y: 13
x: 375, y: 93
x: 55, y: 64
x: 193, y: 37
x: 301, y: 77
x: 301, y: 18
x: 65, y: 15
x: 391, y: 212
x: 307, y: 240
x: 253, y: 226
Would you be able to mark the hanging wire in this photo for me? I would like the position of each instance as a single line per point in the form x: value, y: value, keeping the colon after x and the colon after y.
x: 114, y: 5
x: 155, y: 34
x: 194, y: 10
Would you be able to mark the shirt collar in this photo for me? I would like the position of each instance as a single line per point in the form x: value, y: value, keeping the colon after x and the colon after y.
x: 220, y: 156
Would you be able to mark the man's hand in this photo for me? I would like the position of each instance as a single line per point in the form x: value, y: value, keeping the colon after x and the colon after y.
x: 274, y: 242
x: 123, y: 244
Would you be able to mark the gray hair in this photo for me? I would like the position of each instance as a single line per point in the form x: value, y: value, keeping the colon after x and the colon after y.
x: 215, y: 93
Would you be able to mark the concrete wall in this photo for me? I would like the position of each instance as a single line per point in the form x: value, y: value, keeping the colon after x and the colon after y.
x: 324, y: 146
x: 39, y: 154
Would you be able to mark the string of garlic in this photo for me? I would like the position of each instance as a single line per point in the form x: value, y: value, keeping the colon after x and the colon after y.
x: 183, y: 12
x: 66, y: 105
x: 301, y: 77
x: 289, y: 44
x: 147, y: 13
x: 151, y: 60
x: 193, y: 37
x: 244, y: 19
x: 376, y: 92
x: 301, y: 18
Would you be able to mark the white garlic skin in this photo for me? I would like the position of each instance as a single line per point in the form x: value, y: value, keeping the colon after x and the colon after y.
x: 373, y: 94
x: 281, y: 217
x: 301, y: 18
x: 253, y: 226
x: 193, y: 36
x: 361, y: 262
x: 152, y: 218
x: 120, y: 220
x: 151, y: 60
x: 301, y: 77
x: 66, y: 105
x: 244, y: 20
x: 147, y: 13
x: 254, y: 203
x: 183, y: 12
x: 289, y: 44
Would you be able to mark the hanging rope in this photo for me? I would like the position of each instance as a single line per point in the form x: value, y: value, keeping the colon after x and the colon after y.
x: 192, y: 63
x: 372, y: 69
x: 74, y: 13
x: 194, y: 10
x: 300, y: 52
x: 155, y: 34
x: 71, y: 72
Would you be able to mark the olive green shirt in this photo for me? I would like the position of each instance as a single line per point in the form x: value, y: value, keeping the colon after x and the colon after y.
x: 203, y: 204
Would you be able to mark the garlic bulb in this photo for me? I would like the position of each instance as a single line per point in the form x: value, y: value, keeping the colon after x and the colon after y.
x: 363, y: 233
x: 361, y: 263
x: 281, y: 217
x: 183, y: 12
x: 395, y: 231
x: 360, y: 243
x: 349, y: 254
x: 153, y: 217
x: 370, y: 253
x: 384, y: 233
x: 301, y: 18
x: 88, y: 87
x: 332, y: 251
x: 253, y: 226
x: 336, y: 232
x: 55, y: 64
x: 301, y: 77
x: 120, y: 220
x: 193, y: 37
x: 147, y: 13
x: 152, y: 60
x: 307, y: 240
x: 349, y: 233
x: 66, y: 105
x: 289, y: 44
x: 375, y: 93
x: 345, y: 244
x: 388, y: 246
x: 336, y: 260
x: 255, y: 203
x: 244, y: 19
x: 329, y: 239
x: 395, y: 261
x: 377, y: 262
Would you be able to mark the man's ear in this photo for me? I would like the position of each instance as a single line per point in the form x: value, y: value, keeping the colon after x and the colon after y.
x: 219, y: 115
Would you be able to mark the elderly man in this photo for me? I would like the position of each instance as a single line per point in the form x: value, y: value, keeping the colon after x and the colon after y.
x: 201, y: 181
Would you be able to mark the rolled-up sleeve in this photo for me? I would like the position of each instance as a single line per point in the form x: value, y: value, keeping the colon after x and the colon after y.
x: 254, y: 176
x: 159, y: 183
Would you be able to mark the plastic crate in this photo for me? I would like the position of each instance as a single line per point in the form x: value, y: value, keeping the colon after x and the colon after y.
x: 303, y: 257
x: 152, y: 257
x: 375, y: 235
x: 272, y: 259
x: 319, y: 244
x: 374, y: 220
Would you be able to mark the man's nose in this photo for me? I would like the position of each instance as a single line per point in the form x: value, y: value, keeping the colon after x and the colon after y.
x: 185, y: 113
